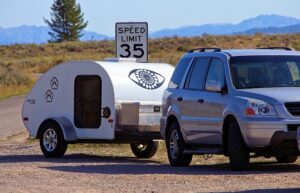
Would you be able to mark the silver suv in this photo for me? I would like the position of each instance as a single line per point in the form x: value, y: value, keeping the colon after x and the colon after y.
x: 233, y: 102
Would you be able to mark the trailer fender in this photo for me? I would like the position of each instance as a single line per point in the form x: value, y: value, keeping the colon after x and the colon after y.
x: 66, y: 126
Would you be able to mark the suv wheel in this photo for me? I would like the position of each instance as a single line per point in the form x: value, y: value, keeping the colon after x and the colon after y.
x: 239, y: 154
x: 286, y: 158
x: 175, y: 148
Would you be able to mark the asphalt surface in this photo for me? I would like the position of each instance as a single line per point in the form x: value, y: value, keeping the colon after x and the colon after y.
x: 10, y: 116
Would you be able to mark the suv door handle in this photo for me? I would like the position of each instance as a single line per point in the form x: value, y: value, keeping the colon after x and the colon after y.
x: 179, y: 99
x: 200, y: 101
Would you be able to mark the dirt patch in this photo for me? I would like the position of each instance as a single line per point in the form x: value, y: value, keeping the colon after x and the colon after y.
x: 113, y: 168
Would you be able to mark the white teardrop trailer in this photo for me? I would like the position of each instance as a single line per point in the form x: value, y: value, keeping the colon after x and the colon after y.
x: 113, y: 101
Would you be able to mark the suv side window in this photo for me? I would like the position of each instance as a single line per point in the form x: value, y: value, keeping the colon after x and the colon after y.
x: 216, y: 72
x: 179, y: 72
x: 197, y: 74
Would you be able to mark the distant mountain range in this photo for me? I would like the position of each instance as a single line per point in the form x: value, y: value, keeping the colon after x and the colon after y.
x: 37, y: 35
x: 258, y: 23
x: 292, y: 29
x: 268, y: 24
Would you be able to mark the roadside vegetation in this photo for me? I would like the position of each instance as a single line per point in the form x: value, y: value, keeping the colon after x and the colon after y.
x: 20, y: 64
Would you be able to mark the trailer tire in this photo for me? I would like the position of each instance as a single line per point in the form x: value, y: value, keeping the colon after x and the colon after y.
x: 52, y: 142
x: 144, y: 150
x: 175, y: 147
x: 239, y: 155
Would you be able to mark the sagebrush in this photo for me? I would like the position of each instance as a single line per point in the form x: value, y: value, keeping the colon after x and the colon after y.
x: 19, y: 62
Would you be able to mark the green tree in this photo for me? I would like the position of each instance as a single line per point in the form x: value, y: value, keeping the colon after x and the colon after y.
x: 66, y: 21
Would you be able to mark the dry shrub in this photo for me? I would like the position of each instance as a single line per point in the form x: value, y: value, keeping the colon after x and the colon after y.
x: 10, y: 76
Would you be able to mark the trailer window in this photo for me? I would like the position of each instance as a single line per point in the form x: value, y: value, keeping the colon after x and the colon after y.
x: 87, y: 111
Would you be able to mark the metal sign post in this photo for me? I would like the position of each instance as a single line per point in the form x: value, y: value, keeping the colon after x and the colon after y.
x: 132, y: 40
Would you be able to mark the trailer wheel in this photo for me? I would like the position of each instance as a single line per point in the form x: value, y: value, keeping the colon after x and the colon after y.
x: 52, y: 142
x: 144, y: 150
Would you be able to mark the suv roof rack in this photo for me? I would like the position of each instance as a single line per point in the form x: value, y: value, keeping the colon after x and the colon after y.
x: 204, y: 50
x: 276, y: 48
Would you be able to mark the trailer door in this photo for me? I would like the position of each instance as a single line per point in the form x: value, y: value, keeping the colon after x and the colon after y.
x: 87, y: 107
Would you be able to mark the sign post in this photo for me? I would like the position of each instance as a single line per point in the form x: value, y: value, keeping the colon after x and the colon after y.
x: 132, y: 40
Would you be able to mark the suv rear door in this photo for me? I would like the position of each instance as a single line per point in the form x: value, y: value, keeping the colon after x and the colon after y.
x: 191, y: 111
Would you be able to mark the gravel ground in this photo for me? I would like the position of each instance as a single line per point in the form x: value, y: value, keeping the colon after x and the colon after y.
x: 112, y: 168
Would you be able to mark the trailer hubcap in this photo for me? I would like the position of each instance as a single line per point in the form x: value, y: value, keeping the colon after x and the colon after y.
x: 50, y: 139
x: 141, y: 147
x: 173, y: 146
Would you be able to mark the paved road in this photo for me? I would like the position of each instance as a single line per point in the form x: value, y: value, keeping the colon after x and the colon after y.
x: 10, y: 116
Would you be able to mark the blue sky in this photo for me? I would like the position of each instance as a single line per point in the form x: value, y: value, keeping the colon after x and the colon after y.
x: 102, y: 14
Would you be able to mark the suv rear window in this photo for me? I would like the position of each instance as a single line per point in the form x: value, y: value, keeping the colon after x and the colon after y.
x: 179, y: 72
x: 197, y: 74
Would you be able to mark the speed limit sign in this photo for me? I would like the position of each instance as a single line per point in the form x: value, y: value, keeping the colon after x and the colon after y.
x: 132, y: 40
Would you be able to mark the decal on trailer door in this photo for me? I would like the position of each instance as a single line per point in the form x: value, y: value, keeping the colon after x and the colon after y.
x: 147, y: 79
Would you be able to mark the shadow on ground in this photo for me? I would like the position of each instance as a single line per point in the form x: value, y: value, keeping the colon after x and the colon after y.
x: 84, y: 163
x: 213, y: 169
x: 284, y: 190
x: 73, y: 158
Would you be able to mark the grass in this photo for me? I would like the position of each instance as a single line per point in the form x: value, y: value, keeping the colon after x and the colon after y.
x: 19, y: 62
x: 120, y: 151
x: 123, y: 151
x: 8, y: 91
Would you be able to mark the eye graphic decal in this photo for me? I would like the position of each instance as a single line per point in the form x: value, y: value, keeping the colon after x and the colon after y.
x: 146, y: 78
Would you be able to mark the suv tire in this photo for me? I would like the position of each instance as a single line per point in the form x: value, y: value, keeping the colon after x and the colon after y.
x: 239, y: 154
x: 286, y: 158
x: 175, y: 147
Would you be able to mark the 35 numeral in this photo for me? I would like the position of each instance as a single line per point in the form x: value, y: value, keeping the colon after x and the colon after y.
x: 137, y: 49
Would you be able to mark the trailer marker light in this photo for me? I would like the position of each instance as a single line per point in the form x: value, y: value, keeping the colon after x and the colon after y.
x: 110, y: 120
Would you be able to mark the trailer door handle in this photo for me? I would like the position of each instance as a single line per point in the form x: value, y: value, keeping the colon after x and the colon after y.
x: 200, y: 101
x: 105, y: 112
x: 179, y: 99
